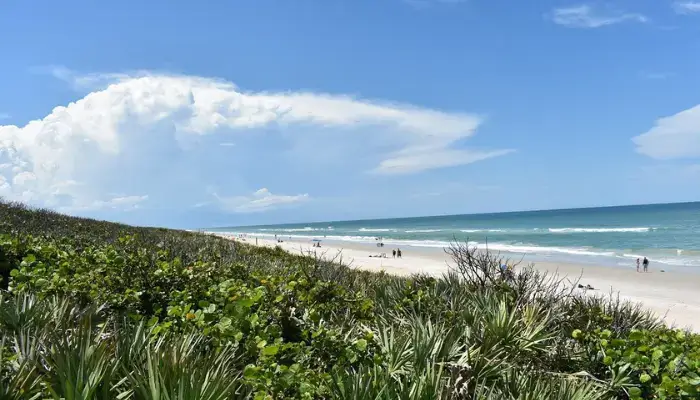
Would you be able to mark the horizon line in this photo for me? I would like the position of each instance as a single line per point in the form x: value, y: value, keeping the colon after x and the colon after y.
x: 466, y: 214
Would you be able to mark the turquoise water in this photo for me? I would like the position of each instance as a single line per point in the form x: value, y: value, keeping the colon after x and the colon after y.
x: 668, y: 234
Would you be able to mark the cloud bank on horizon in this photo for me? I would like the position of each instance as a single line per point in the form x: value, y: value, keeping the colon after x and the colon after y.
x: 112, y: 148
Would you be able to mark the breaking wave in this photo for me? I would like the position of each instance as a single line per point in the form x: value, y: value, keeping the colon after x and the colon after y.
x: 598, y: 230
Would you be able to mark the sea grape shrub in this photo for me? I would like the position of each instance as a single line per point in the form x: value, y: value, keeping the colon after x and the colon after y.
x: 291, y: 330
x: 283, y: 327
x: 648, y: 364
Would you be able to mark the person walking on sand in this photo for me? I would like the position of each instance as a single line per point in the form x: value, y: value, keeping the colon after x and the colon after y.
x: 646, y: 264
x: 393, y: 253
x: 637, y: 264
x: 398, y: 253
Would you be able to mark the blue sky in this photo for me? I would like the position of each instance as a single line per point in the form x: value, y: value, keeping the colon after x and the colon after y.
x: 242, y: 112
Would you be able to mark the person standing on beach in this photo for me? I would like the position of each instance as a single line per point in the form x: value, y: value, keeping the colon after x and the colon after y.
x: 646, y: 264
x: 398, y: 253
x: 637, y: 264
x: 393, y: 253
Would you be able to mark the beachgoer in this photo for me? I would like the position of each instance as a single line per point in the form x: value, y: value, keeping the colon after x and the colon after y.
x: 393, y: 253
x: 646, y: 264
x: 637, y: 264
x: 398, y: 253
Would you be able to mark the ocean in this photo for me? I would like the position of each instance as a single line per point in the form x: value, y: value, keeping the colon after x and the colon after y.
x: 668, y: 234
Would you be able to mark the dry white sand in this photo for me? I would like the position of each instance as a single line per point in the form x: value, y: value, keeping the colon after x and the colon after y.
x: 675, y: 296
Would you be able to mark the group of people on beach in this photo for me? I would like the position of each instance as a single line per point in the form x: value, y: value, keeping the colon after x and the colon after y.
x: 396, y: 253
x: 645, y: 264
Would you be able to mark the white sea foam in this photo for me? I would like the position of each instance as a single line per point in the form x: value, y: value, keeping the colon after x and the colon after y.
x: 482, y: 230
x: 376, y: 230
x: 626, y: 255
x: 598, y: 230
x: 304, y: 229
x: 509, y: 248
x: 423, y: 230
x: 527, y: 249
x: 673, y: 258
x: 688, y: 261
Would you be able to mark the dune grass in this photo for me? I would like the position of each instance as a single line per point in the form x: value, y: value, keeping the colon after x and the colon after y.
x: 96, y: 310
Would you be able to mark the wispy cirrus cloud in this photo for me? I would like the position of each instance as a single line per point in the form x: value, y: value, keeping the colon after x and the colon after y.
x: 118, y: 203
x: 260, y: 200
x: 589, y: 16
x: 656, y: 75
x: 414, y: 159
x: 687, y: 7
x: 86, y: 81
x: 131, y: 130
x: 4, y: 116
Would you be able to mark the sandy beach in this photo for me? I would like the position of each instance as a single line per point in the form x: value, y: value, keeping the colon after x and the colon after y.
x: 672, y: 295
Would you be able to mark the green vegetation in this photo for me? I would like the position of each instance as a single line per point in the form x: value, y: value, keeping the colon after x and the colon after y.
x: 96, y: 310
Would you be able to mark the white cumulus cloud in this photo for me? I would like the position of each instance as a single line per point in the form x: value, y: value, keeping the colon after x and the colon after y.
x: 674, y: 137
x: 588, y: 16
x: 260, y: 200
x: 116, y: 137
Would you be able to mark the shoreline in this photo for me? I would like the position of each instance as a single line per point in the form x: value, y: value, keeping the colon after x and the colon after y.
x: 561, y: 253
x: 671, y: 295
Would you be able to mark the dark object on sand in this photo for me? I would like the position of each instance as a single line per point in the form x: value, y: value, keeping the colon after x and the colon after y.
x: 383, y: 255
